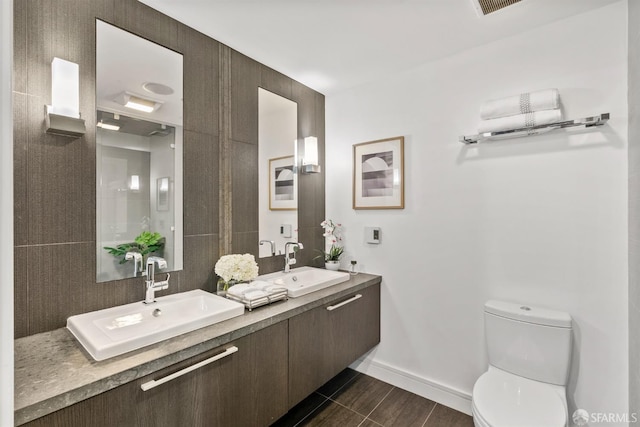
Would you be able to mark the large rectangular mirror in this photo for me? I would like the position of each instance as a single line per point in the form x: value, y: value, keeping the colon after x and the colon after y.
x: 139, y: 152
x: 278, y: 182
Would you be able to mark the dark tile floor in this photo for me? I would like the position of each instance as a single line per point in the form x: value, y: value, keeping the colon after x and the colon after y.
x: 352, y: 399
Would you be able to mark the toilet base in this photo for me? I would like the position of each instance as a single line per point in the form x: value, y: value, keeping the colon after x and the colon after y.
x: 478, y: 421
x: 510, y: 400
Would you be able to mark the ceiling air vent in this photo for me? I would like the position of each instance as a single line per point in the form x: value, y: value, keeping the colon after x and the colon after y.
x: 485, y: 7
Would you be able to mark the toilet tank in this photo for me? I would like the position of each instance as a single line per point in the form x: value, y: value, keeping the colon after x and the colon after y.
x: 531, y: 342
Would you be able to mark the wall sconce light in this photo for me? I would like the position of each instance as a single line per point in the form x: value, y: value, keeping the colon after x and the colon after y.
x: 310, y: 156
x: 137, y: 102
x: 63, y: 115
x: 135, y: 183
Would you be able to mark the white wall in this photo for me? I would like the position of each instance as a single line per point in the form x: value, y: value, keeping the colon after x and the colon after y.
x: 6, y: 215
x: 164, y: 151
x: 541, y: 220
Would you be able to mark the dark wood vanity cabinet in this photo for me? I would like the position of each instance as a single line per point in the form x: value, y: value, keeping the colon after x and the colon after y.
x: 273, y: 369
x: 246, y: 388
x: 327, y: 339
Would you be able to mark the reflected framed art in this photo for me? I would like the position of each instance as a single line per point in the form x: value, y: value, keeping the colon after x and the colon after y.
x: 283, y: 184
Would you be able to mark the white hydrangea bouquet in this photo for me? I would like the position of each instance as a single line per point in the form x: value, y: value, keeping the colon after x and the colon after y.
x: 235, y: 268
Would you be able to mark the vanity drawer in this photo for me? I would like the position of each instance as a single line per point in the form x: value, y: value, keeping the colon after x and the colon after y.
x: 327, y: 339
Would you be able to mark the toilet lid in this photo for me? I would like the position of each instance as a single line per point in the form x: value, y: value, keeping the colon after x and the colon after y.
x: 503, y: 399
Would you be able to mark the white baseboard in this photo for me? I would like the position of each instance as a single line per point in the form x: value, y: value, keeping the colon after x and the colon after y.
x: 432, y: 390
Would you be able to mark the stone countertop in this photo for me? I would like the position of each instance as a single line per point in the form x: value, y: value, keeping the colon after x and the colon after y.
x: 53, y: 371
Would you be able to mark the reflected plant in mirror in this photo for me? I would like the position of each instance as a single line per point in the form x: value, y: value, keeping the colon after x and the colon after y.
x: 146, y: 244
x: 138, y: 153
x: 278, y: 179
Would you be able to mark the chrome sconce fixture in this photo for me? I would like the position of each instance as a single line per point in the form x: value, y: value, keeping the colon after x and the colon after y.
x: 63, y: 115
x: 310, y: 156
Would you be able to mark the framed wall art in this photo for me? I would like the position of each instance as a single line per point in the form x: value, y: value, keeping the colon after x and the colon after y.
x: 283, y: 184
x: 378, y: 174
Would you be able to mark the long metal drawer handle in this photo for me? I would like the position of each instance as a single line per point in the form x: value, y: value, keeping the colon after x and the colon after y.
x: 345, y: 302
x: 154, y: 383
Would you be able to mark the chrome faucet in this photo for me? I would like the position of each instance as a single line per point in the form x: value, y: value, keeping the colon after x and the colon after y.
x: 151, y: 285
x: 137, y: 258
x: 273, y: 245
x: 288, y: 262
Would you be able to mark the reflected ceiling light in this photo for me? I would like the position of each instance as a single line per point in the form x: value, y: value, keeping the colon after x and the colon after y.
x: 137, y: 102
x: 157, y: 88
x: 310, y: 156
x: 107, y: 126
x: 63, y: 115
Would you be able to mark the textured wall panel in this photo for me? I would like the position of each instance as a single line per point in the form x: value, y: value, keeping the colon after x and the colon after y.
x: 55, y: 177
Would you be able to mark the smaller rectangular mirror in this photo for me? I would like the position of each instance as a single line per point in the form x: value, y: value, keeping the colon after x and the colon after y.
x: 278, y: 182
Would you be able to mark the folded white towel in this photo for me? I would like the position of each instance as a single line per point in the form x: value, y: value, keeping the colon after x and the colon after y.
x: 520, y: 121
x: 274, y: 288
x: 548, y: 99
x: 254, y: 295
x: 240, y: 289
x: 254, y: 290
x: 260, y: 284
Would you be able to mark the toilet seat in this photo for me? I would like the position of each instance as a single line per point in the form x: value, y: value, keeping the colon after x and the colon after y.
x: 503, y: 399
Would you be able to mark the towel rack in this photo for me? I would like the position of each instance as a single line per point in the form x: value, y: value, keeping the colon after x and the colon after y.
x: 598, y: 120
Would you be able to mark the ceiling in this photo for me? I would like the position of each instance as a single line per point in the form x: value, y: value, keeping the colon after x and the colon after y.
x: 124, y: 63
x: 331, y: 45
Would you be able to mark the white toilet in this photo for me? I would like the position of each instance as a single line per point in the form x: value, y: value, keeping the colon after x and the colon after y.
x: 529, y: 358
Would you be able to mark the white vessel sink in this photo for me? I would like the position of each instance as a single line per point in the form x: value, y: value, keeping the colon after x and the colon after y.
x: 304, y: 280
x: 117, y: 330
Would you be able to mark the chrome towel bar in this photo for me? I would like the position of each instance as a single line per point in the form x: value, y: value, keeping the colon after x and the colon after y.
x: 598, y: 120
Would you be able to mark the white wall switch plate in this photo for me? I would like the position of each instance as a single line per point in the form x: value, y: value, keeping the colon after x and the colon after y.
x: 372, y: 235
x: 285, y: 230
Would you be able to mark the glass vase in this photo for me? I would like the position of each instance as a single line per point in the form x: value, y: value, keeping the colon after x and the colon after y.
x: 223, y: 286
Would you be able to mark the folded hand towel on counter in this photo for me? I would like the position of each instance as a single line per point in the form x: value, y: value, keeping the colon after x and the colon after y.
x: 255, y: 294
x: 520, y: 121
x: 261, y: 284
x: 267, y: 286
x: 548, y: 99
x: 254, y: 290
x: 241, y: 289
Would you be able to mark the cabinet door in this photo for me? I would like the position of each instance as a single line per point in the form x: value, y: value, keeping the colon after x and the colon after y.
x: 325, y: 340
x: 248, y: 387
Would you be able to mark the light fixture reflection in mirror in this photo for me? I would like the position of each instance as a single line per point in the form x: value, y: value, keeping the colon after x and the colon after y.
x: 138, y: 153
x: 278, y: 194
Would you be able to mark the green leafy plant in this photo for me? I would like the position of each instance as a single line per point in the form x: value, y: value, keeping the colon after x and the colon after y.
x: 334, y: 254
x: 145, y: 243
